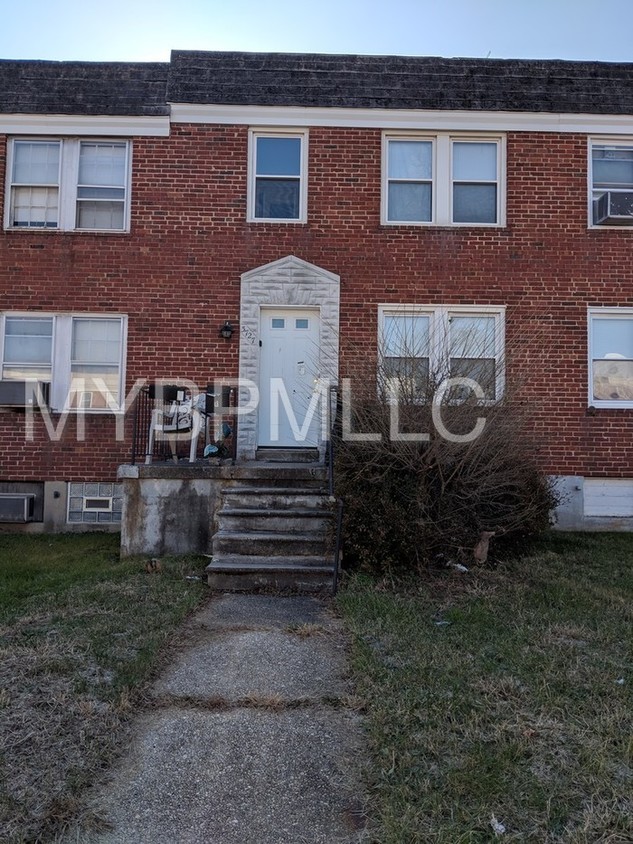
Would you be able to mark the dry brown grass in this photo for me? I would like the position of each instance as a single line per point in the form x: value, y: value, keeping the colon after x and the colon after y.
x: 77, y: 643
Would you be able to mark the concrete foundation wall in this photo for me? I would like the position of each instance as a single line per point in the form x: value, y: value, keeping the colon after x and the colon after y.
x: 570, y: 514
x: 167, y: 516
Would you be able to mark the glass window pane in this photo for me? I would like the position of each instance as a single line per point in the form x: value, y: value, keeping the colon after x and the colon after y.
x: 34, y: 207
x: 98, y: 381
x: 27, y: 348
x: 406, y: 377
x: 409, y: 202
x: 278, y: 157
x: 277, y: 322
x: 406, y: 336
x: 36, y: 163
x: 612, y: 338
x: 28, y: 340
x: 301, y: 323
x: 102, y: 164
x: 100, y: 215
x: 277, y: 199
x: 613, y: 380
x: 481, y: 371
x: 612, y: 167
x: 474, y: 203
x: 101, y: 193
x: 472, y: 337
x: 410, y: 160
x: 475, y: 162
x: 96, y: 341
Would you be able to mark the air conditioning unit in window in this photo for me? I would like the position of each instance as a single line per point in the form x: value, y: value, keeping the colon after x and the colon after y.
x: 613, y: 208
x: 17, y: 508
x: 23, y: 393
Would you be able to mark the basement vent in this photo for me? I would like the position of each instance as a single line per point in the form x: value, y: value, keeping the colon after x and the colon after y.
x: 98, y: 504
x: 17, y: 508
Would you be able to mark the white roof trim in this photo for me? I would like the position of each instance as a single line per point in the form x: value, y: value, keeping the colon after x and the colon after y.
x: 481, y: 121
x: 75, y: 124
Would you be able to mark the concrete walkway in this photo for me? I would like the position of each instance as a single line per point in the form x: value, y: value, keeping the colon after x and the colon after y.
x: 249, y: 741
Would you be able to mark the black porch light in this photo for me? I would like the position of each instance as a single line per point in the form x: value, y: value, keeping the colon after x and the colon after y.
x: 227, y: 330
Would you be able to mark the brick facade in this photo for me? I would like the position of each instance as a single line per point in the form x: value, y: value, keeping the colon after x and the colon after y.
x: 191, y: 260
x: 177, y: 276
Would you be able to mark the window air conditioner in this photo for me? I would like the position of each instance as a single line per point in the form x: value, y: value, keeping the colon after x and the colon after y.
x: 613, y: 208
x: 17, y: 507
x: 22, y: 393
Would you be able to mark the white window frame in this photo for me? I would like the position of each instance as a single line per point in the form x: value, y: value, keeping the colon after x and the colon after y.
x: 61, y: 375
x: 603, y: 313
x: 68, y: 184
x: 439, y: 327
x: 599, y: 141
x: 442, y: 175
x: 253, y: 135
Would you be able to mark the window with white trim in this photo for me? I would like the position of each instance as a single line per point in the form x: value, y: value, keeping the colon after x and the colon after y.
x: 421, y: 346
x: 611, y: 180
x: 71, y: 184
x: 443, y: 180
x: 81, y: 356
x: 277, y: 185
x: 611, y: 357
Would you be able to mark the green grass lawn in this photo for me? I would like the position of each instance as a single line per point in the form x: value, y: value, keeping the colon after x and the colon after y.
x: 80, y: 635
x: 499, y: 702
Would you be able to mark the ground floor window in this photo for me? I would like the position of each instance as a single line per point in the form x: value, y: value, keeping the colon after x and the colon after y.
x: 81, y: 356
x: 611, y: 357
x: 420, y: 346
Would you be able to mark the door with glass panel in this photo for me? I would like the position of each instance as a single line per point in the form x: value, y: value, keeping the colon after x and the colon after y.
x: 290, y: 405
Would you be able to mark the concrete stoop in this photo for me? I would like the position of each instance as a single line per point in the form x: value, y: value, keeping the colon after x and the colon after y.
x: 274, y: 532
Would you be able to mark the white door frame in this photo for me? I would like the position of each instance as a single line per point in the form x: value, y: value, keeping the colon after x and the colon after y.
x: 286, y: 283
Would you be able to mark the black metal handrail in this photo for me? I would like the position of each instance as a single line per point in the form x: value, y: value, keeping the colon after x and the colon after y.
x: 333, y: 432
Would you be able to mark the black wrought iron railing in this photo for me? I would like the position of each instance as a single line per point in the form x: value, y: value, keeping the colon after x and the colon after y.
x: 334, y: 432
x: 172, y: 424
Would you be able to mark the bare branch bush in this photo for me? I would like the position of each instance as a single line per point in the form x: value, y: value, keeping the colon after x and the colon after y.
x: 420, y: 487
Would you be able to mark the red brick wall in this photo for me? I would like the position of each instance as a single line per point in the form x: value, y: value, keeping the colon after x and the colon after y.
x: 177, y: 276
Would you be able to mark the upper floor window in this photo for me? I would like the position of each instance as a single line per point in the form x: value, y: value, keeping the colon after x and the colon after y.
x: 611, y: 184
x: 442, y: 180
x: 81, y: 357
x: 277, y: 176
x: 421, y: 346
x: 611, y: 357
x: 68, y: 184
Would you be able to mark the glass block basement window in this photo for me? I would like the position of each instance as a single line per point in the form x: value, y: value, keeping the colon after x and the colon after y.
x: 96, y: 503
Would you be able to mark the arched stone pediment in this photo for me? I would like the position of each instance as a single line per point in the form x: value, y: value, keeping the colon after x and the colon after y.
x: 286, y: 283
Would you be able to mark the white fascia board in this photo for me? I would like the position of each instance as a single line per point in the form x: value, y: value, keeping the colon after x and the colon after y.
x: 74, y: 124
x: 480, y: 121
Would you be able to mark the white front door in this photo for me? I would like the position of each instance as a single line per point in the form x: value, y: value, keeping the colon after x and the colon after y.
x: 289, y: 407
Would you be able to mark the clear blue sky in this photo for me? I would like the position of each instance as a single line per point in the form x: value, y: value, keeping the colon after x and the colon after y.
x: 146, y: 30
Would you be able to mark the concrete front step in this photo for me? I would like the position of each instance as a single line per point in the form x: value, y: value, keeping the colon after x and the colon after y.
x: 282, y: 474
x: 304, y: 519
x: 274, y: 498
x: 287, y: 455
x: 243, y: 574
x: 269, y: 543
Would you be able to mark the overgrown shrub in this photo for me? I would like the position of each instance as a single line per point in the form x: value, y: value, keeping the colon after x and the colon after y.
x: 413, y: 504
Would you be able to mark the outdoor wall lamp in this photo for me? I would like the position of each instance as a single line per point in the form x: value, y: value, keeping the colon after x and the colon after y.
x: 227, y: 330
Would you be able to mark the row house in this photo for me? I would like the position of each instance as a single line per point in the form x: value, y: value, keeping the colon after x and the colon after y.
x: 258, y: 219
